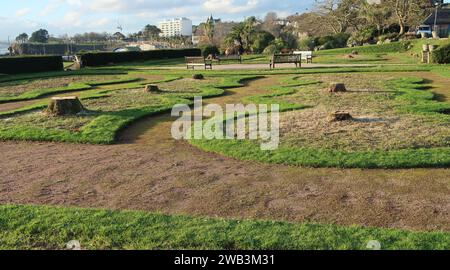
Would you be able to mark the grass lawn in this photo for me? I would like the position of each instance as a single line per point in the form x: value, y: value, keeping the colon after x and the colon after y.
x: 41, y: 227
x: 397, y: 124
x: 108, y: 110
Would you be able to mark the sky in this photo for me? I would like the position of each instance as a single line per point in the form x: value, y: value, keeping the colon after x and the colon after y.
x: 79, y: 16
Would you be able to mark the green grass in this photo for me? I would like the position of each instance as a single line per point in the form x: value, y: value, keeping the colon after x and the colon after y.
x: 394, y: 47
x: 42, y: 227
x: 34, y: 94
x: 104, y: 125
x: 411, y: 99
x: 53, y: 74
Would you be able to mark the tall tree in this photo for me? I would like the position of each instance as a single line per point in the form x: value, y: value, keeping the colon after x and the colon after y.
x: 339, y: 14
x: 405, y: 10
x: 377, y: 14
x: 271, y: 25
x: 40, y: 36
x: 209, y: 28
x: 151, y: 31
x: 22, y: 38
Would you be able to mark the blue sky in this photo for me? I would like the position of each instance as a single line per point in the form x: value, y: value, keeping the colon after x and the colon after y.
x: 75, y: 16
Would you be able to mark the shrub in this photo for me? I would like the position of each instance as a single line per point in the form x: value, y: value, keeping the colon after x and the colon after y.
x: 30, y: 64
x: 209, y: 50
x: 261, y: 41
x: 105, y: 58
x: 307, y: 43
x: 441, y: 55
x: 331, y: 42
x: 271, y: 49
x: 363, y: 36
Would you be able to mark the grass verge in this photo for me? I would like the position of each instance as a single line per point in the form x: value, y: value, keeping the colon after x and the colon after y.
x: 42, y: 227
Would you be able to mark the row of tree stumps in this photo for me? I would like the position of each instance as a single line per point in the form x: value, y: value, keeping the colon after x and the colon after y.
x: 60, y: 106
x: 338, y: 115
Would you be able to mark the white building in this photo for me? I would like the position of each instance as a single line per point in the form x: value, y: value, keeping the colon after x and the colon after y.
x: 176, y: 27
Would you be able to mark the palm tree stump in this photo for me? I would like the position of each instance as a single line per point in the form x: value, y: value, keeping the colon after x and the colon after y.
x: 337, y: 87
x: 151, y: 88
x: 340, y: 116
x: 60, y: 106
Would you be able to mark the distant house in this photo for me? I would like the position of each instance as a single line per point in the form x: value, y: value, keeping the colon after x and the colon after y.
x: 442, y: 20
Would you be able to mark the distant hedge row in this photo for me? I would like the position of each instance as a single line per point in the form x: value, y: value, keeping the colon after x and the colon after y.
x: 30, y: 64
x: 105, y: 58
x: 400, y: 46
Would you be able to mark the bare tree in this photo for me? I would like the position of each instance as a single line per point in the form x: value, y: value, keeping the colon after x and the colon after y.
x: 405, y: 10
x: 271, y: 25
x: 339, y: 14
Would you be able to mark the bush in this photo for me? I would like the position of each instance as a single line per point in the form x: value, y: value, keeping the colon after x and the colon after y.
x: 332, y: 42
x: 105, y: 58
x: 261, y: 41
x: 363, y: 36
x: 441, y: 55
x: 307, y: 43
x: 209, y: 50
x: 30, y: 64
x: 271, y: 49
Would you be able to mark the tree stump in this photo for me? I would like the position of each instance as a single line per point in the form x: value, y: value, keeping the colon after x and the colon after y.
x: 198, y: 77
x: 340, y: 116
x: 151, y: 88
x: 337, y: 87
x: 64, y: 106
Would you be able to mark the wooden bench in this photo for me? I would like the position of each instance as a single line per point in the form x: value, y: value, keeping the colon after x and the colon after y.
x: 306, y: 55
x: 192, y: 62
x: 286, y: 58
x: 231, y: 57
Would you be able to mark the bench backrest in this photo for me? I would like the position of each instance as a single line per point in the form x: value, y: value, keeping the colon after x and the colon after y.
x: 286, y: 58
x: 195, y: 60
x: 305, y: 54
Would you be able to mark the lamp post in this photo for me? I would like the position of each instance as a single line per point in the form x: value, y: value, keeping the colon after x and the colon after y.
x: 435, y: 20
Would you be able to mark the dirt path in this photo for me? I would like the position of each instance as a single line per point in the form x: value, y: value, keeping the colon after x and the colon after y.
x: 150, y: 171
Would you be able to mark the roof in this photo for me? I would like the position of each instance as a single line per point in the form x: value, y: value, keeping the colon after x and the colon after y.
x: 443, y: 17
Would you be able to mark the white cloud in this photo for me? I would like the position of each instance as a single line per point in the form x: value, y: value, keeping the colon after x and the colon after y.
x: 22, y: 12
x: 229, y: 6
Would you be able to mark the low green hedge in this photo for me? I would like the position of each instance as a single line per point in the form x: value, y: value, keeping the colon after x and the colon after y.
x: 394, y: 47
x: 442, y: 54
x: 30, y: 64
x: 105, y: 58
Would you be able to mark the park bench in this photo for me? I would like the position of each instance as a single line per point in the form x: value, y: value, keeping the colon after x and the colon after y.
x: 306, y: 55
x: 192, y: 62
x: 286, y: 58
x: 231, y: 57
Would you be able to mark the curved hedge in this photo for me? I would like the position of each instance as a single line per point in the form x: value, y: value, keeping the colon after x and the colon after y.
x: 105, y: 58
x: 30, y: 64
